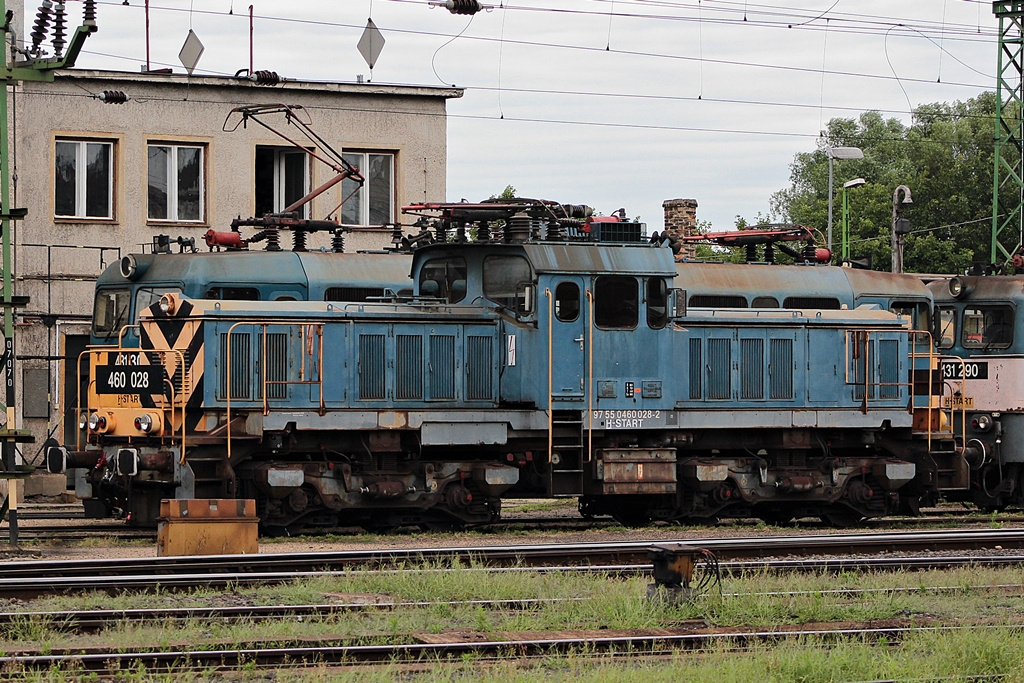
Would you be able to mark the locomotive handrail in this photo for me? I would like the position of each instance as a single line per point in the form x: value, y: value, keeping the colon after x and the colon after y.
x: 590, y: 375
x: 120, y: 335
x: 551, y: 377
x: 170, y: 382
x: 963, y: 405
x: 264, y: 381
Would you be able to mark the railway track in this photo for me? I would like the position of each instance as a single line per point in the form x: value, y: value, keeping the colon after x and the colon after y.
x: 32, y: 578
x: 657, y: 642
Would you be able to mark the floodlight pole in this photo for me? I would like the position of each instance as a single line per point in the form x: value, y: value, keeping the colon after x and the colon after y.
x: 833, y: 154
x: 845, y: 248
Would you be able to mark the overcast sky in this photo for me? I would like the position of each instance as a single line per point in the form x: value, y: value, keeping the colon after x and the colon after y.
x: 611, y: 103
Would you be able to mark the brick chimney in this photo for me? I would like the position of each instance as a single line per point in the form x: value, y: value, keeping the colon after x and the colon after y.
x: 681, y: 219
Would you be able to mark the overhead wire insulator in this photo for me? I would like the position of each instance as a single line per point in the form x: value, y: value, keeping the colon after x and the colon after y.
x: 460, y: 6
x: 89, y: 12
x: 112, y: 97
x: 265, y: 77
x: 59, y: 26
x: 42, y: 22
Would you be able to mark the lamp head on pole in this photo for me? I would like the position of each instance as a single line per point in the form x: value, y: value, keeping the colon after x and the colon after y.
x: 856, y: 182
x: 845, y: 152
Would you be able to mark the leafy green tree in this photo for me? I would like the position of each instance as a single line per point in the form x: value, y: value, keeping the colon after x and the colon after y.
x: 945, y: 157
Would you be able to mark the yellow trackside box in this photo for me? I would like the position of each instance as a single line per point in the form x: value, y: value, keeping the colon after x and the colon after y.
x: 207, y: 527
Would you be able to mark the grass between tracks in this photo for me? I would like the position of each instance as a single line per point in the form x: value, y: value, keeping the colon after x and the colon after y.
x: 761, y: 601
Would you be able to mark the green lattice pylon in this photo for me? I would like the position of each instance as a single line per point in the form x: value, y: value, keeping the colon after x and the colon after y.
x: 1008, y: 181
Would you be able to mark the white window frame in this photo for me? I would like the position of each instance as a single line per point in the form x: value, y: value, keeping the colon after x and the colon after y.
x: 361, y: 159
x: 280, y: 177
x: 172, y: 183
x: 81, y: 177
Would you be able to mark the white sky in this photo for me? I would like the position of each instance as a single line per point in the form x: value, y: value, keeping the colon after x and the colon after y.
x: 611, y: 103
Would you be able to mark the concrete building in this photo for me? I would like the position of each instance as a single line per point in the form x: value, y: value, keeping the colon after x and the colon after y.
x: 100, y: 180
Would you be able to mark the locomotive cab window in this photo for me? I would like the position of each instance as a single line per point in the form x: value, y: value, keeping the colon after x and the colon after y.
x: 657, y: 303
x: 616, y: 301
x: 917, y: 312
x: 233, y: 293
x: 147, y: 296
x: 567, y: 301
x: 946, y: 335
x: 110, y: 312
x: 444, y: 278
x: 987, y: 327
x: 507, y: 282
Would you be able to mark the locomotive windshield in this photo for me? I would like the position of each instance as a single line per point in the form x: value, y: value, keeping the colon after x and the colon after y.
x: 147, y: 296
x: 444, y: 278
x: 110, y: 312
x: 504, y: 277
x: 988, y: 327
x: 947, y: 328
x: 917, y: 312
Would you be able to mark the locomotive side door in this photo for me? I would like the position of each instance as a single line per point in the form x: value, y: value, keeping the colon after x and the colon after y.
x: 568, y: 321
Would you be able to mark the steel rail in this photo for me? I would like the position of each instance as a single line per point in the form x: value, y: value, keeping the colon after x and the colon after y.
x: 80, y: 621
x: 328, y: 653
x: 33, y: 587
x: 537, y: 555
x: 96, y: 619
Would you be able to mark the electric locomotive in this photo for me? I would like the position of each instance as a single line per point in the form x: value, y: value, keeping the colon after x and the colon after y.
x: 553, y: 356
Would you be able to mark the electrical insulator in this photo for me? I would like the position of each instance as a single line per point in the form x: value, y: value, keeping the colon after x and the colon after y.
x: 112, y: 97
x: 41, y: 24
x: 89, y: 12
x: 463, y: 6
x: 59, y: 26
x: 265, y: 78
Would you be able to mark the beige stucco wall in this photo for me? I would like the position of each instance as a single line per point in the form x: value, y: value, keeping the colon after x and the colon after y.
x: 407, y: 120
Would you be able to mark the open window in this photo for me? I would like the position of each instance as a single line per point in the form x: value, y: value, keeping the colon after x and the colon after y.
x: 282, y: 178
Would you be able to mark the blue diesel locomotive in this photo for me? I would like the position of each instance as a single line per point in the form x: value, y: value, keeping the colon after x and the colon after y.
x: 553, y: 355
x: 126, y: 289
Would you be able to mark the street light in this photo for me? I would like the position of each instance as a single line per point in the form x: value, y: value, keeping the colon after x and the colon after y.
x: 845, y: 255
x: 838, y: 153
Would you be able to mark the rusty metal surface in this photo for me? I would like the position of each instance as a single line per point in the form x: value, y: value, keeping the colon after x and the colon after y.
x: 207, y: 527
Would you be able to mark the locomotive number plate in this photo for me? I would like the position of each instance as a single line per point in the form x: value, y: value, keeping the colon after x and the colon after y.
x: 971, y: 369
x: 129, y: 379
x: 628, y: 419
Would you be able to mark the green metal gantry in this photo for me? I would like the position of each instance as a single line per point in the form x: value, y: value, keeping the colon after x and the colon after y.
x: 1008, y: 181
x: 35, y: 67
